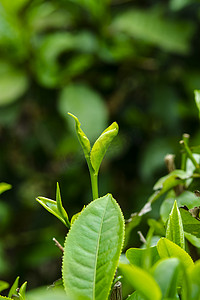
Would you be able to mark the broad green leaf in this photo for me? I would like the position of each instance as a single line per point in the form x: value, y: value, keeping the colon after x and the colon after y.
x: 174, y: 231
x: 14, y: 287
x: 46, y: 294
x: 4, y: 187
x: 167, y: 248
x: 197, y: 99
x: 142, y: 282
x: 101, y: 145
x: 190, y: 224
x: 3, y: 285
x: 167, y: 182
x: 154, y: 28
x: 84, y: 141
x: 92, y: 249
x: 52, y: 207
x: 166, y: 273
x: 88, y: 105
x: 137, y: 256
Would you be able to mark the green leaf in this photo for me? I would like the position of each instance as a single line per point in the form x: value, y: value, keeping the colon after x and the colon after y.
x: 22, y: 291
x: 3, y: 285
x: 154, y: 28
x: 92, y: 249
x: 45, y: 294
x: 101, y: 145
x: 14, y: 287
x: 194, y: 275
x: 13, y: 83
x: 75, y: 216
x: 141, y: 281
x: 5, y: 298
x: 84, y: 141
x: 137, y: 256
x: 88, y: 105
x: 52, y: 207
x: 60, y: 207
x: 197, y: 99
x: 136, y: 296
x: 167, y: 182
x: 167, y: 248
x: 174, y: 231
x: 4, y: 187
x: 190, y: 224
x: 166, y: 273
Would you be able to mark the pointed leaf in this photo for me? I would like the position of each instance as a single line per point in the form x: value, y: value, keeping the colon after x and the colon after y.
x: 174, y: 231
x: 101, y: 145
x: 167, y: 248
x: 84, y: 141
x: 166, y: 274
x: 190, y: 224
x: 137, y: 256
x: 92, y: 249
x: 14, y: 287
x: 3, y: 285
x: 197, y: 99
x: 22, y: 290
x: 60, y: 207
x: 142, y: 281
x: 51, y: 206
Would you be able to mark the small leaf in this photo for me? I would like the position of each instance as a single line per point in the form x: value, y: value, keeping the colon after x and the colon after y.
x: 167, y: 248
x: 4, y: 187
x: 14, y: 287
x: 3, y: 285
x: 174, y: 231
x: 197, y: 99
x: 101, y: 145
x: 60, y: 207
x: 84, y: 141
x: 22, y: 291
x: 166, y: 273
x: 167, y: 182
x: 190, y: 224
x: 137, y: 256
x: 51, y: 206
x: 92, y: 249
x: 142, y: 281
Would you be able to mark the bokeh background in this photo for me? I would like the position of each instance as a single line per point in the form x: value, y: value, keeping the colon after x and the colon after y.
x: 134, y: 62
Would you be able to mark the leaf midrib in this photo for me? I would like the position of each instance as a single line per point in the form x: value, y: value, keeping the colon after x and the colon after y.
x: 97, y: 250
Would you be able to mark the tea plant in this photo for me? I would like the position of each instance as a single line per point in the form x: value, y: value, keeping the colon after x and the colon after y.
x: 167, y: 267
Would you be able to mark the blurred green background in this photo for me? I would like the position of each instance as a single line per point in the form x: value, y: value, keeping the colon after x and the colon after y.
x: 134, y: 62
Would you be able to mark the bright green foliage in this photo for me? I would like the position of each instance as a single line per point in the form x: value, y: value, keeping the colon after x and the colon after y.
x: 190, y: 224
x: 4, y: 298
x: 166, y: 273
x: 174, y: 231
x: 92, y: 249
x: 47, y: 294
x: 136, y: 296
x: 167, y: 248
x: 3, y: 285
x: 22, y: 291
x: 55, y: 207
x: 4, y: 187
x: 194, y: 276
x: 101, y: 145
x: 138, y: 256
x: 84, y: 141
x: 142, y: 281
x: 197, y: 99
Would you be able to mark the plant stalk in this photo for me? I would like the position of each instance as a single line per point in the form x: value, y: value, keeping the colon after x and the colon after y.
x: 117, y: 291
x: 93, y: 178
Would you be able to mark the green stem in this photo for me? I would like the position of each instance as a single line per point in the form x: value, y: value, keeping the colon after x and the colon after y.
x: 94, y: 179
x: 189, y: 153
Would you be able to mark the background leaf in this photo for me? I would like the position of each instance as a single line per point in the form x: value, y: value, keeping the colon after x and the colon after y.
x: 190, y: 224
